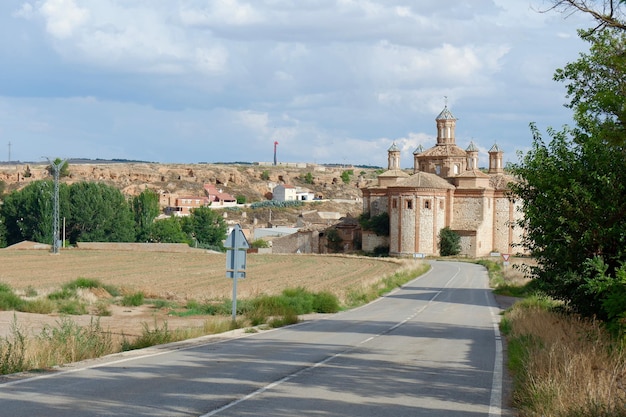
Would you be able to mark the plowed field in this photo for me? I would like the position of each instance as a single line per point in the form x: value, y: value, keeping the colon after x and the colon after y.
x: 193, y: 274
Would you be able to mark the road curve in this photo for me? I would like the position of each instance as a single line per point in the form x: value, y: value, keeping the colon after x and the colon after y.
x: 431, y: 348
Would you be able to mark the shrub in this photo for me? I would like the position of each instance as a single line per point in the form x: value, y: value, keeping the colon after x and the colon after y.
x: 9, y: 300
x: 325, y: 302
x: 72, y: 307
x: 133, y: 300
x: 259, y: 243
x: 449, y: 242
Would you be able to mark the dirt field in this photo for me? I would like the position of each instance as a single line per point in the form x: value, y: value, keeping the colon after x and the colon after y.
x: 177, y: 276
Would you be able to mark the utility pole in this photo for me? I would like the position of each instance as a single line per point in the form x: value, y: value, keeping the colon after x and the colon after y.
x: 275, y: 144
x: 55, y: 207
x: 9, y: 161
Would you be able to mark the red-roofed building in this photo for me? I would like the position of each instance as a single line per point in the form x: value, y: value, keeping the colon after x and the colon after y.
x: 219, y: 198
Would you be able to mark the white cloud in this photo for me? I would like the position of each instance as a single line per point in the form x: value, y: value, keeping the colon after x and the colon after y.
x: 63, y: 17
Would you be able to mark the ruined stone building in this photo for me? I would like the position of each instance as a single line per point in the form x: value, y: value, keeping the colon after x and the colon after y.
x: 446, y: 189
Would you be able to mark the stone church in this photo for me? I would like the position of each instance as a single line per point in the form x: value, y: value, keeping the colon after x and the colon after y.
x: 446, y: 189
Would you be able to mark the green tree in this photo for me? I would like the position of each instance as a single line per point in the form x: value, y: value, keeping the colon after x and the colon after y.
x: 596, y: 87
x: 207, y: 227
x: 346, y: 175
x: 308, y: 178
x: 145, y: 209
x: 100, y: 213
x: 573, y: 195
x: 168, y: 230
x: 27, y: 213
x: 64, y: 170
x: 449, y: 242
x: 378, y: 224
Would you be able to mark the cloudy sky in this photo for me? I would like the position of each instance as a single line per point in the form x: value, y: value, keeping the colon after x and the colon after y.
x: 333, y: 81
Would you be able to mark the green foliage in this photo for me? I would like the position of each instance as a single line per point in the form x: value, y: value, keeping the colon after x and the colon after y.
x: 132, y: 300
x: 265, y: 175
x: 609, y: 290
x: 595, y: 84
x: 149, y: 337
x: 346, y: 175
x: 381, y: 250
x: 71, y: 306
x: 27, y: 173
x: 259, y: 243
x: 573, y: 195
x: 27, y: 213
x: 169, y: 230
x: 335, y: 242
x: 83, y: 283
x: 207, y: 226
x: 378, y: 224
x: 308, y: 178
x: 64, y: 170
x: 449, y: 242
x: 145, y: 208
x: 100, y: 213
x: 9, y: 300
x: 241, y: 199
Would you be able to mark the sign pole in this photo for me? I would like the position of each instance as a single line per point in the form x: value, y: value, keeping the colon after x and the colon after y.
x: 236, y: 246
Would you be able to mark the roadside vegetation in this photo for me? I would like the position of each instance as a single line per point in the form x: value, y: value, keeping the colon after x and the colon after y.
x: 68, y: 342
x: 567, y: 337
x: 562, y: 364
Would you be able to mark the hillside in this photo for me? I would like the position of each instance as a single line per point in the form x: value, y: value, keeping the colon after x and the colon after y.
x: 188, y: 180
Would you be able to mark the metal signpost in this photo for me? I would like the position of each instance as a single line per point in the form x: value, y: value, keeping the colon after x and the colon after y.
x: 236, y: 246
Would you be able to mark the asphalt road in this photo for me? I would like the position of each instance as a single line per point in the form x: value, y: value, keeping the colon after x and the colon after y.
x: 431, y: 349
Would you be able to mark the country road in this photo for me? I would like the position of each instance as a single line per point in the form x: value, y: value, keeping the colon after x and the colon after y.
x: 431, y: 348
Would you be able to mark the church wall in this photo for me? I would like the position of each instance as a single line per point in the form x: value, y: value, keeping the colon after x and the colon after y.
x: 394, y: 223
x: 408, y: 213
x: 371, y: 241
x: 502, y: 220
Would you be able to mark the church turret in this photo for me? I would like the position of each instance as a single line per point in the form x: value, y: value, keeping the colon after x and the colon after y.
x: 446, y: 123
x: 472, y: 157
x: 495, y: 160
x: 393, y: 157
x: 417, y: 152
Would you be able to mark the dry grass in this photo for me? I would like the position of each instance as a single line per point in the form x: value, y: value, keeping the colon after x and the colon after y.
x: 564, y: 366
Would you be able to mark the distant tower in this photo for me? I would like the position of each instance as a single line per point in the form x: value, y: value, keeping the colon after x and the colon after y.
x: 495, y: 160
x: 472, y: 157
x: 393, y: 157
x: 275, y: 145
x: 418, y: 151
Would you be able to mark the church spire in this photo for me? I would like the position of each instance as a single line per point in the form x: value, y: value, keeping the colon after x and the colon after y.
x: 495, y: 160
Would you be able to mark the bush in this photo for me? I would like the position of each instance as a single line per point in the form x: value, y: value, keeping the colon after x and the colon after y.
x: 449, y: 242
x: 133, y: 300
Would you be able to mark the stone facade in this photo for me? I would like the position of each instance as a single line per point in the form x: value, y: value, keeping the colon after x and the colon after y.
x: 446, y: 189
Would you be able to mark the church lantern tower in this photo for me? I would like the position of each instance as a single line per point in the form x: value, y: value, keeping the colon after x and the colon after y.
x: 495, y: 160
x: 472, y: 157
x: 446, y: 124
x: 393, y: 157
x: 417, y: 152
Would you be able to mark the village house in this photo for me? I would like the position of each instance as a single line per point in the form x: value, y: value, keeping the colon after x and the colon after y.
x: 446, y: 189
x: 218, y: 198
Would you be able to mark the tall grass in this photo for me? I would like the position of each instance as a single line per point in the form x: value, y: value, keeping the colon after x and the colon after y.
x: 563, y: 366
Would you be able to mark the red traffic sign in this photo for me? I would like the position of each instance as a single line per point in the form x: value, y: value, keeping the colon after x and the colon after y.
x: 506, y: 256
